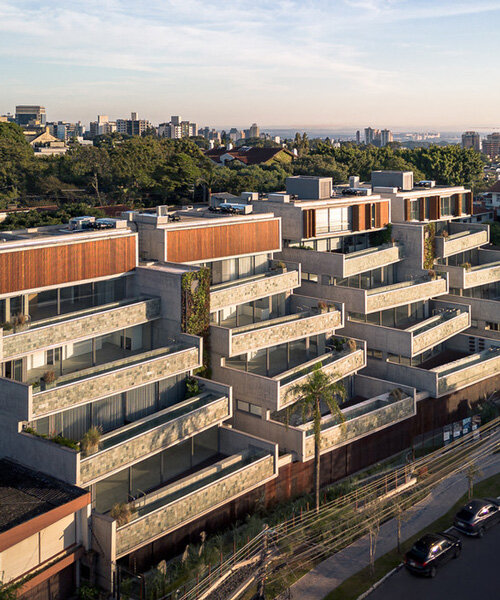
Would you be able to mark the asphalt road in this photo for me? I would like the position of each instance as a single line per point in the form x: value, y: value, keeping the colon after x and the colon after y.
x: 474, y: 574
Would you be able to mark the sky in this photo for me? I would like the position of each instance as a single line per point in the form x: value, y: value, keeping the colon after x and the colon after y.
x: 402, y: 64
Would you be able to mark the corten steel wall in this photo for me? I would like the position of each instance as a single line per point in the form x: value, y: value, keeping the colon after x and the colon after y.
x: 64, y: 263
x: 204, y: 243
x: 297, y: 478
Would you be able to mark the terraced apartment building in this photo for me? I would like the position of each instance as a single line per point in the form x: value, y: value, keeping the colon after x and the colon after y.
x: 152, y: 364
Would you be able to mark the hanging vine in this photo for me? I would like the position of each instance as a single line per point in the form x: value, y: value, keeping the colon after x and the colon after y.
x: 429, y: 245
x: 195, y: 287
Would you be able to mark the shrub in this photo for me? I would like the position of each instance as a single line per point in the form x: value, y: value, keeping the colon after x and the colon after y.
x: 432, y: 274
x: 122, y: 513
x: 396, y: 394
x: 351, y: 344
x: 90, y: 441
x: 466, y: 265
x: 192, y: 387
x: 49, y: 377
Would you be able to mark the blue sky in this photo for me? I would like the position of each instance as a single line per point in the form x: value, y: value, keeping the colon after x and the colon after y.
x: 338, y: 63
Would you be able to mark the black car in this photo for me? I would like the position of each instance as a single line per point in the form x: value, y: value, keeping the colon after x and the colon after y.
x: 477, y: 516
x: 431, y: 551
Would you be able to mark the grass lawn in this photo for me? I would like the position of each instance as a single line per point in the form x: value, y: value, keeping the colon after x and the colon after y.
x: 362, y: 581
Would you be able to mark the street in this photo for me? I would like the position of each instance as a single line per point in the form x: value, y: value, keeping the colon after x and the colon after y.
x: 474, y: 574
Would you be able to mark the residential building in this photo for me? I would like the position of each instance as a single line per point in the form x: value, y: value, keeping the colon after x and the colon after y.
x: 132, y: 126
x: 103, y: 126
x: 386, y: 137
x: 372, y: 136
x: 491, y: 145
x: 249, y: 155
x: 32, y: 115
x: 358, y: 137
x: 43, y: 142
x: 177, y: 129
x: 44, y: 532
x: 104, y: 332
x: 471, y: 139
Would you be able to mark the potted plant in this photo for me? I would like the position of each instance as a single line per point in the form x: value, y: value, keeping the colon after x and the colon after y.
x: 396, y: 394
x: 445, y: 233
x: 432, y: 274
x: 322, y: 307
x: 48, y: 380
x: 20, y: 322
x: 122, y: 513
x: 351, y: 345
x: 280, y: 266
x: 192, y: 387
x: 90, y: 441
x: 7, y: 326
x: 466, y: 265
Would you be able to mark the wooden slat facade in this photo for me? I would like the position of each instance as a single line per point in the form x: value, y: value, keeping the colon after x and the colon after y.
x: 309, y: 223
x: 206, y: 243
x: 435, y: 207
x: 53, y: 265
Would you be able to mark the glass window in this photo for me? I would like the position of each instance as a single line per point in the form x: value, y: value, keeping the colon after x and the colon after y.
x: 445, y: 206
x: 111, y: 491
x: 145, y: 475
x: 205, y: 445
x: 321, y: 220
x: 414, y: 210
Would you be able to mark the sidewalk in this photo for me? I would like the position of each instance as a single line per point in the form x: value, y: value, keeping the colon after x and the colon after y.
x: 329, y: 574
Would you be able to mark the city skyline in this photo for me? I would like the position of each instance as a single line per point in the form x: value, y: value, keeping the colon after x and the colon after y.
x: 338, y: 64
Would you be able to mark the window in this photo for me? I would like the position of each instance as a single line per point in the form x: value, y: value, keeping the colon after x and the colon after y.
x: 309, y: 277
x: 372, y: 215
x: 250, y: 408
x: 445, y: 206
x: 463, y: 204
x: 414, y: 210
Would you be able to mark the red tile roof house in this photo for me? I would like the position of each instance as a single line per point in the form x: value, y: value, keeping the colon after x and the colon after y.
x: 250, y: 156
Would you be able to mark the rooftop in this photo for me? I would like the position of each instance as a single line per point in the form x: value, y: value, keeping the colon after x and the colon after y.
x: 25, y: 494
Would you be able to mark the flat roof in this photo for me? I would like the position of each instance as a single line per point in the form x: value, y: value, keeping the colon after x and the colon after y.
x: 25, y: 494
x: 200, y: 217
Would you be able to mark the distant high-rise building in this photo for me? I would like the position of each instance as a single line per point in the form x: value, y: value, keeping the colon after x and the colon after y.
x: 175, y: 120
x: 386, y: 137
x: 176, y: 129
x: 66, y: 131
x: 372, y: 136
x: 103, y: 126
x: 132, y: 126
x: 358, y: 137
x: 30, y: 115
x: 254, y: 131
x: 491, y: 145
x: 471, y: 139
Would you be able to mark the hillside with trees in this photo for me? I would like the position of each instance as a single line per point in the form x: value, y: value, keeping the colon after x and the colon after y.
x: 147, y: 171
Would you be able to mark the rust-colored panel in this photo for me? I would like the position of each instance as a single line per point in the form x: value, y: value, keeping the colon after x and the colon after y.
x: 64, y: 263
x: 205, y: 243
x: 309, y: 223
x: 407, y: 209
x: 468, y: 196
x: 421, y: 209
x: 384, y: 213
x: 435, y: 207
x: 368, y: 216
x: 361, y: 217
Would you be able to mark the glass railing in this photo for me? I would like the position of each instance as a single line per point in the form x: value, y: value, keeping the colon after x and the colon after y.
x: 434, y: 321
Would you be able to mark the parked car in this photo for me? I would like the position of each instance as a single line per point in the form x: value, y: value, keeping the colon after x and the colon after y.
x: 477, y: 516
x: 432, y: 551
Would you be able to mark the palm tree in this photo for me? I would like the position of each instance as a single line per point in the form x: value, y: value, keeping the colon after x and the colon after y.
x: 317, y: 387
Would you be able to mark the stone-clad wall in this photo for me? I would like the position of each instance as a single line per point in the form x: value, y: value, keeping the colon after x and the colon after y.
x: 98, y: 465
x: 481, y: 276
x: 119, y: 380
x: 441, y: 332
x: 363, y: 425
x: 189, y: 507
x: 284, y: 332
x: 449, y: 246
x: 468, y: 375
x: 405, y: 295
x: 371, y: 260
x: 253, y: 290
x: 82, y: 327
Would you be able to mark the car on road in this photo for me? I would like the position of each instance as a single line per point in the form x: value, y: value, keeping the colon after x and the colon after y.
x: 477, y: 516
x: 432, y: 551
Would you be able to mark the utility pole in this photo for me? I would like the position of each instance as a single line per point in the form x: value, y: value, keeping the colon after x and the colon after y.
x: 261, y: 588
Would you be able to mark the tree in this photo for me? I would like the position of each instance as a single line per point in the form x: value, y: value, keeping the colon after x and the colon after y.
x: 373, y: 524
x: 318, y: 388
x: 401, y: 515
x: 471, y: 473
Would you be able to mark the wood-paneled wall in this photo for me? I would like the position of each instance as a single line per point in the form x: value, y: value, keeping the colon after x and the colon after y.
x: 52, y: 265
x: 206, y: 243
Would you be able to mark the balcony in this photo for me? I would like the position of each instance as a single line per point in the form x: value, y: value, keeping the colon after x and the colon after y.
x: 342, y: 265
x: 269, y: 376
x: 405, y: 292
x: 173, y: 505
x: 83, y: 324
x: 415, y: 339
x: 158, y: 431
x: 262, y: 334
x: 468, y: 370
x: 115, y: 376
x: 247, y: 289
x: 373, y: 407
x: 461, y: 237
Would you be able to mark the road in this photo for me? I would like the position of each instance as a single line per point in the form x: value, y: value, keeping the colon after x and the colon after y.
x: 475, y: 574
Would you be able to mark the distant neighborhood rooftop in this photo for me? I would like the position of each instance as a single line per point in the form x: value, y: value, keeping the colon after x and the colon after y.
x: 250, y: 156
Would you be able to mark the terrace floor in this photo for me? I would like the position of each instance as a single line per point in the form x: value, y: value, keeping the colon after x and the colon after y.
x: 441, y: 359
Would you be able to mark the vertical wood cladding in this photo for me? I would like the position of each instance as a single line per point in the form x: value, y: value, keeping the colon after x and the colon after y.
x: 407, y: 209
x: 383, y: 214
x: 468, y: 199
x: 435, y: 207
x: 205, y: 243
x: 309, y: 223
x: 64, y: 263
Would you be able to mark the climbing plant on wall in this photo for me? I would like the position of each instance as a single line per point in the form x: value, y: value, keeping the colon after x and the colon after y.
x: 429, y: 241
x: 195, y: 287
